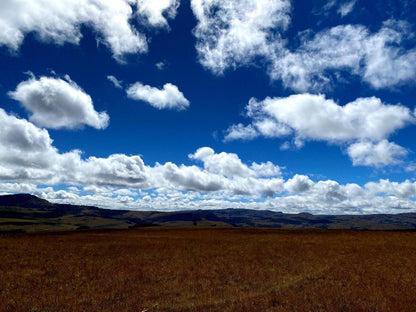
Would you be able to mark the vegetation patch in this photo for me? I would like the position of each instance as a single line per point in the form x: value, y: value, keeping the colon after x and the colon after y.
x: 208, y: 269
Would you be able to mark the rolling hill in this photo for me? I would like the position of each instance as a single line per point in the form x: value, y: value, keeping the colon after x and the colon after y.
x: 28, y: 213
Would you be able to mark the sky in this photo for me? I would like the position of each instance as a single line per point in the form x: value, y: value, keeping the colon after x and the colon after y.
x: 291, y: 106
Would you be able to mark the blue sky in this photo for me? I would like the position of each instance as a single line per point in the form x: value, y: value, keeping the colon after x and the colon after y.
x: 264, y: 104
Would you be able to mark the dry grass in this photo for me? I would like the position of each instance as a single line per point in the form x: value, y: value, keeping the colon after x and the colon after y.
x: 167, y: 269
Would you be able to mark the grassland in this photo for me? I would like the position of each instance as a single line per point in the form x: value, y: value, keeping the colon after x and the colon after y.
x: 205, y: 269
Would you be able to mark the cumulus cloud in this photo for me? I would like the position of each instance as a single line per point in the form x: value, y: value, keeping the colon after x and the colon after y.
x: 313, y: 117
x: 26, y: 151
x: 115, y: 170
x: 299, y: 184
x: 57, y: 103
x: 367, y: 121
x: 169, y: 97
x: 405, y: 189
x: 155, y: 11
x: 61, y: 22
x: 378, y: 154
x: 231, y: 34
x: 321, y: 197
x: 229, y: 164
x: 27, y: 154
x: 189, y: 178
x: 29, y: 159
x: 228, y: 176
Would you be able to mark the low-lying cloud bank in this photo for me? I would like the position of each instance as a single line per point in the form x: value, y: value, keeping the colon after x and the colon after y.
x: 322, y: 197
x: 30, y: 163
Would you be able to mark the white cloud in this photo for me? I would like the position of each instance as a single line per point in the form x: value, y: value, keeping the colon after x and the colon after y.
x: 231, y: 33
x: 313, y: 117
x: 379, y: 154
x: 338, y: 48
x: 299, y: 184
x: 22, y: 135
x: 56, y: 103
x: 321, y: 197
x: 267, y: 169
x: 26, y: 151
x: 117, y: 83
x: 230, y: 178
x: 12, y: 187
x: 229, y: 164
x: 366, y: 121
x: 387, y: 64
x: 346, y: 8
x: 240, y: 132
x: 169, y: 97
x: 329, y: 5
x: 27, y: 154
x: 61, y: 21
x: 28, y: 158
x: 188, y: 178
x: 115, y: 170
x: 160, y: 65
x: 285, y: 146
x: 405, y: 189
x: 154, y: 11
x: 271, y: 129
x: 379, y: 59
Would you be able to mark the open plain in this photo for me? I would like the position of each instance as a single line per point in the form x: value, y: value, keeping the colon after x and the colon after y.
x: 208, y: 269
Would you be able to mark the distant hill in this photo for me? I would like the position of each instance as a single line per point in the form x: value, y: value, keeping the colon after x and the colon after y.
x: 24, y: 200
x: 28, y: 213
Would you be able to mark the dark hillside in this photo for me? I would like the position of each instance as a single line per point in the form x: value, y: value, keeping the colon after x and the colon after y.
x: 26, y: 212
x: 25, y: 201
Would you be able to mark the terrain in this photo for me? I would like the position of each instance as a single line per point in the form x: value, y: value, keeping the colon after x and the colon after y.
x: 28, y: 213
x: 58, y: 257
x: 208, y: 269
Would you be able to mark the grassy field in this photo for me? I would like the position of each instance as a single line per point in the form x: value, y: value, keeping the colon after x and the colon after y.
x: 222, y: 269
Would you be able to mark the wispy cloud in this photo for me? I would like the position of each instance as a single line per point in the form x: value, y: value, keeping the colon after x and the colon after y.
x: 346, y: 8
x: 377, y: 58
x: 117, y: 83
x: 231, y: 35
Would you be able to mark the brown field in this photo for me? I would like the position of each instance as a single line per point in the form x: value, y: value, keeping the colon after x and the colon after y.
x: 194, y: 269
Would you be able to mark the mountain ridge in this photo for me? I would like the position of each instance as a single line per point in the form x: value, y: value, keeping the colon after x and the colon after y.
x: 28, y: 213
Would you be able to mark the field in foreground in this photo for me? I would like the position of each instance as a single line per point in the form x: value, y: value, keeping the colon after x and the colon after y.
x: 204, y: 269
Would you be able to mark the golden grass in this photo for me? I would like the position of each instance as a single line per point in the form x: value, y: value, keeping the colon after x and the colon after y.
x: 193, y: 269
